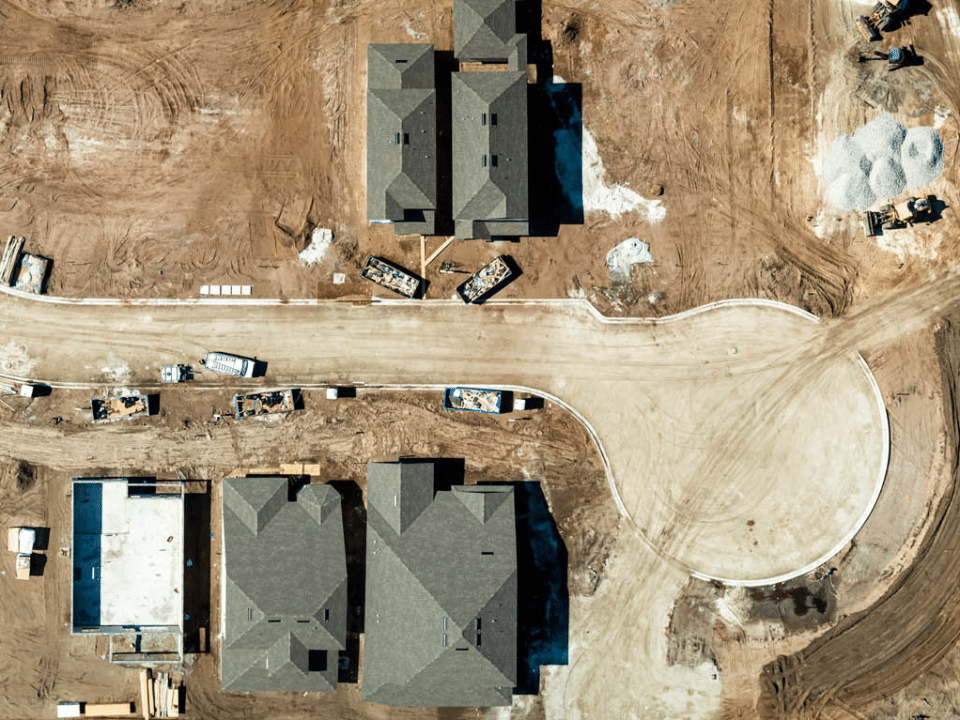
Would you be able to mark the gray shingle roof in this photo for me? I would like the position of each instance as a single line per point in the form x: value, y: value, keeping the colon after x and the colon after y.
x: 490, y: 172
x: 285, y: 586
x: 441, y: 596
x: 484, y: 30
x: 402, y: 136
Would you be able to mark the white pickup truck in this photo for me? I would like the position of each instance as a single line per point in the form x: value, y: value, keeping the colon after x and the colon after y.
x: 227, y: 364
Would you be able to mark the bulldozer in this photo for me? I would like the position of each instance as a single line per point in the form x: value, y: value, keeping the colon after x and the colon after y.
x: 891, y: 217
x: 880, y: 18
x: 897, y: 57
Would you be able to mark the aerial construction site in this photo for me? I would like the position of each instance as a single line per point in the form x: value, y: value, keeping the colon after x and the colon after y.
x: 480, y: 359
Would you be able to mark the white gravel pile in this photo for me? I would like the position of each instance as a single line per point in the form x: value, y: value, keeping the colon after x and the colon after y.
x: 879, y: 161
x: 922, y: 156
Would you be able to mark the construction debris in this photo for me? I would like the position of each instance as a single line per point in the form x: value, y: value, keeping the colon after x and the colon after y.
x: 107, y: 409
x: 473, y: 400
x: 486, y: 280
x: 265, y: 403
x: 22, y: 270
x: 391, y: 277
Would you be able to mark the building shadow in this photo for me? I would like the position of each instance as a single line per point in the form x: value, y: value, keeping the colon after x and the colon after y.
x: 555, y: 117
x: 196, y: 571
x: 447, y: 472
x: 355, y: 538
x: 41, y: 541
x: 38, y: 564
x: 543, y: 597
x: 444, y: 65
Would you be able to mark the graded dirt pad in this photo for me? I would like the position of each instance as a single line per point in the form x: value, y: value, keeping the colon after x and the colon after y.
x: 154, y: 147
x: 545, y: 447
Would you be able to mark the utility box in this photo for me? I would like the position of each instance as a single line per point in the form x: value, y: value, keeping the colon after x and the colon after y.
x: 68, y: 710
x: 333, y: 393
x: 27, y: 390
x: 520, y: 404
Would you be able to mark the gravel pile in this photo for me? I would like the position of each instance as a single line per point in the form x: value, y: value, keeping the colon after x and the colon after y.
x: 922, y: 156
x: 879, y: 161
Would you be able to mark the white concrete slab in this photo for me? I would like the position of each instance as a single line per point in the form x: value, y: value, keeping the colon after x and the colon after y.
x: 141, y: 558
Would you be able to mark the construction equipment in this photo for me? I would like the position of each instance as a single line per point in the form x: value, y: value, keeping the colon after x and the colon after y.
x: 388, y: 275
x: 897, y: 57
x: 175, y: 373
x: 228, y: 364
x: 265, y: 403
x: 473, y: 400
x: 891, y: 217
x: 486, y: 280
x: 879, y: 19
x: 107, y: 409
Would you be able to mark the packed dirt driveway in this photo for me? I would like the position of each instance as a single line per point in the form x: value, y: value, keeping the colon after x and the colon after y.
x: 714, y: 423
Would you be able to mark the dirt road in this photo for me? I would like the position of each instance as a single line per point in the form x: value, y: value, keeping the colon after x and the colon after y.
x: 686, y: 410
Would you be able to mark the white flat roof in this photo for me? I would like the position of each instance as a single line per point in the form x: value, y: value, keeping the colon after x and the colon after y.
x: 141, y: 558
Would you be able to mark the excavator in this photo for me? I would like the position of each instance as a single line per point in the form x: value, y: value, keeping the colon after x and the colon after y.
x: 880, y: 18
x: 890, y: 217
x: 897, y: 57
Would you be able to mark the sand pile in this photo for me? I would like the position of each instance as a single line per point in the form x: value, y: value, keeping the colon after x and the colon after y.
x: 879, y: 161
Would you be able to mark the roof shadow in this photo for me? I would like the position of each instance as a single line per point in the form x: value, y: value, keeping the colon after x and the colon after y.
x: 543, y: 598
x: 355, y: 544
x: 196, y: 570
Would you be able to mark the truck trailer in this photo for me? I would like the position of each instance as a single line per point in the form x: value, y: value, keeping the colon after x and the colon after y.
x: 227, y: 364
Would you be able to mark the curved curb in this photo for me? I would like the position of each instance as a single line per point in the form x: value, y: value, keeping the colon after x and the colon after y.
x: 581, y: 304
x: 861, y: 521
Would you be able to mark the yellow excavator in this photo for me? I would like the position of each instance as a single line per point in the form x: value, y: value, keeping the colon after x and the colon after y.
x: 880, y: 18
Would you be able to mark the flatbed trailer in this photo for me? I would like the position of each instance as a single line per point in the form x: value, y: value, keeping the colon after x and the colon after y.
x: 473, y: 400
x: 485, y: 281
x: 272, y: 402
x: 388, y: 275
x: 106, y: 409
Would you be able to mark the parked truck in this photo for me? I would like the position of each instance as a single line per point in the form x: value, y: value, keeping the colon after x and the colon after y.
x: 266, y: 403
x: 227, y: 364
x: 174, y: 373
x: 388, y: 275
x: 486, y: 280
x: 473, y: 400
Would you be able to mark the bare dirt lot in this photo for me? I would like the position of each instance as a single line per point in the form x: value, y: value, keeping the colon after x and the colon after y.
x: 151, y: 147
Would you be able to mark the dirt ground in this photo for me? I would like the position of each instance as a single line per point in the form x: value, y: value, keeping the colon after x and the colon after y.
x: 151, y: 147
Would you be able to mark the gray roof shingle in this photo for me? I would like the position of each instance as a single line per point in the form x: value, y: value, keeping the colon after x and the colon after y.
x: 441, y: 596
x: 490, y: 171
x: 285, y: 586
x: 484, y: 30
x: 402, y: 136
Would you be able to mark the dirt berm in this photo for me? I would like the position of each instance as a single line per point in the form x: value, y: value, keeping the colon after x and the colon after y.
x: 874, y: 653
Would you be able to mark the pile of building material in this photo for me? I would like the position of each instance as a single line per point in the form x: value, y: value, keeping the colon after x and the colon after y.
x: 879, y: 161
x: 159, y: 698
x: 22, y: 270
x: 486, y: 280
x: 265, y: 403
x: 632, y: 251
x: 391, y: 277
x: 106, y: 409
x: 21, y: 541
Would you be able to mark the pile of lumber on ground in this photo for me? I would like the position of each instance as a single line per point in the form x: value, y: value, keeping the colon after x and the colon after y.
x: 158, y: 697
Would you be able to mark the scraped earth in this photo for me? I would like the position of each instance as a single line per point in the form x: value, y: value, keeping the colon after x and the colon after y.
x: 152, y: 147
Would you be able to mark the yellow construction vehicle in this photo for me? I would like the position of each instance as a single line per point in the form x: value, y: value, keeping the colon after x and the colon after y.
x: 890, y: 217
x: 879, y: 19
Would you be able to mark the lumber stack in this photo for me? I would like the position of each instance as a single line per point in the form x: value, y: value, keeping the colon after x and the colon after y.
x: 159, y: 697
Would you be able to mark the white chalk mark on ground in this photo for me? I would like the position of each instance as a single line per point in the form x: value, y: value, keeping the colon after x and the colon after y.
x: 615, y: 200
x: 320, y: 240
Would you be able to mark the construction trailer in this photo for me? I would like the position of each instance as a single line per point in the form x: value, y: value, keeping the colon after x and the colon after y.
x: 229, y: 364
x: 108, y: 409
x: 486, y: 281
x: 473, y: 400
x: 272, y: 402
x: 388, y: 275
